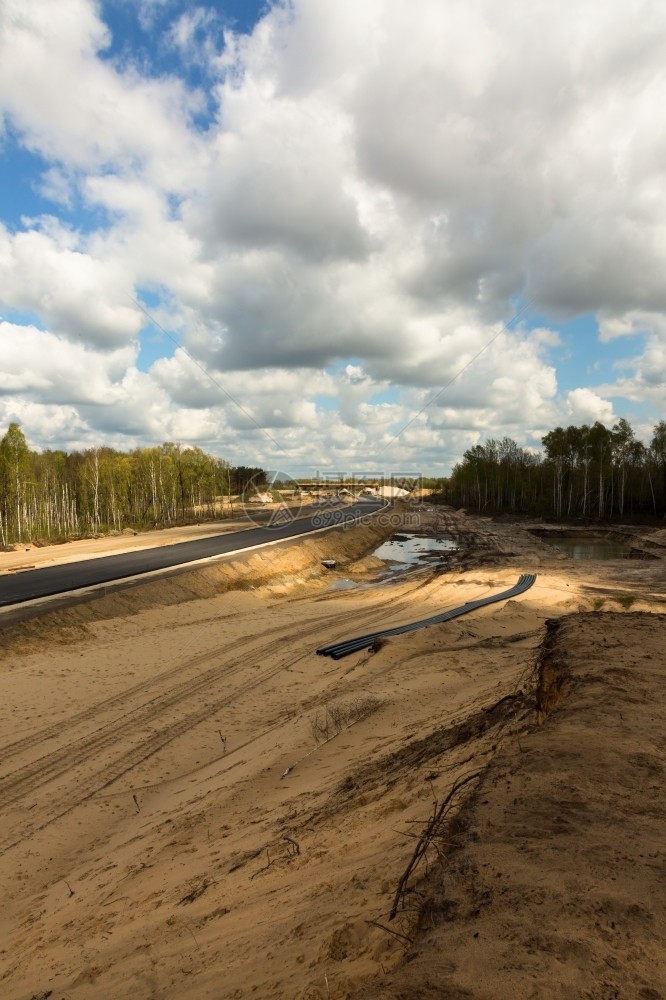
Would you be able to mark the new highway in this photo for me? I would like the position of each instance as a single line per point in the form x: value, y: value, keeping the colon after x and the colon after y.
x: 29, y: 585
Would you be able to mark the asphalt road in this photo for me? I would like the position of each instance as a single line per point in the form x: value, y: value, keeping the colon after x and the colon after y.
x: 27, y: 585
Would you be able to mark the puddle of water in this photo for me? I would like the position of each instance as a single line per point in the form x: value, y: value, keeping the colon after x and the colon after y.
x: 408, y: 550
x: 592, y: 548
x: 401, y: 553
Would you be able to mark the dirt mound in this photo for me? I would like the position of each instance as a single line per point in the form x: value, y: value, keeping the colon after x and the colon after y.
x: 553, y: 883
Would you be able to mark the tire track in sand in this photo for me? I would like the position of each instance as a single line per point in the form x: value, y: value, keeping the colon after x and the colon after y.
x: 86, y: 763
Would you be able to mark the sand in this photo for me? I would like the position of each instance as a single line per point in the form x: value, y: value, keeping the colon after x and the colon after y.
x: 176, y: 823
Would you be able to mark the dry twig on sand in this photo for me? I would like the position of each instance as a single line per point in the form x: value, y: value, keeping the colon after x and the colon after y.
x: 337, y: 718
x: 427, y: 837
x: 196, y: 891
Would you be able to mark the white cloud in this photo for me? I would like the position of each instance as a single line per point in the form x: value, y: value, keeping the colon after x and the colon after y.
x: 194, y: 34
x: 149, y: 10
x: 56, y: 186
x: 83, y: 298
x: 629, y: 324
x: 58, y: 371
x: 586, y: 407
x: 375, y: 192
x: 77, y: 109
x: 276, y: 178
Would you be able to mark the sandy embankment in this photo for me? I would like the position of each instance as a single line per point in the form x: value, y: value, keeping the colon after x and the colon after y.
x: 554, y: 881
x: 152, y: 845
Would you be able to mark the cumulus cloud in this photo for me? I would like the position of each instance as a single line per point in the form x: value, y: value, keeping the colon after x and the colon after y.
x: 39, y: 362
x: 275, y: 180
x: 586, y: 407
x: 76, y: 108
x: 83, y: 298
x: 371, y: 199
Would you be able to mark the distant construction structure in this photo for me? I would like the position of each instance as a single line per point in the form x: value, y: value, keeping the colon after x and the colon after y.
x: 353, y: 487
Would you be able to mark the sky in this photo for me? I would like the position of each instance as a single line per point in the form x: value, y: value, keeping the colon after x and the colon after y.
x: 334, y: 237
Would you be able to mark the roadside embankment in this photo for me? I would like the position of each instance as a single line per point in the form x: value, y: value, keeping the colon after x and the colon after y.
x: 278, y: 568
x: 553, y: 882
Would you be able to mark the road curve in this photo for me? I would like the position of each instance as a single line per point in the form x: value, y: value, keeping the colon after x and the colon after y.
x: 29, y: 585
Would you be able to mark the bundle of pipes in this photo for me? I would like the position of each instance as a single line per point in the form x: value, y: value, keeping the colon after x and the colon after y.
x: 339, y: 649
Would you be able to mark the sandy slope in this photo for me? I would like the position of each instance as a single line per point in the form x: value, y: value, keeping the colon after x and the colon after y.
x: 554, y: 881
x: 152, y: 844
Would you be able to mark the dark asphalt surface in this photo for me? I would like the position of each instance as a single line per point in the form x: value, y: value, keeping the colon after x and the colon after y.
x: 27, y: 585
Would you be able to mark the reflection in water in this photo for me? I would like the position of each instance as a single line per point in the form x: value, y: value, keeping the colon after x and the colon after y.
x: 402, y: 553
x: 589, y: 548
x: 408, y: 549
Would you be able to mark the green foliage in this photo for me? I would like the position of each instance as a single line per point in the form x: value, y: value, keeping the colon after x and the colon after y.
x: 14, y: 467
x: 586, y: 471
x: 55, y: 494
x: 624, y: 600
x: 247, y: 479
x: 438, y: 485
x: 496, y: 476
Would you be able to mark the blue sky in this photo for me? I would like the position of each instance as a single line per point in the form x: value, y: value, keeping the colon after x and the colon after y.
x: 139, y: 35
x: 578, y: 356
x: 335, y: 211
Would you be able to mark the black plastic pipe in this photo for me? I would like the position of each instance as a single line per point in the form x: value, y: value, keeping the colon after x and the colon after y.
x: 339, y: 649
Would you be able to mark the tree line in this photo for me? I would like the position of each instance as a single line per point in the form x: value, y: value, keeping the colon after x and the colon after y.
x: 587, y: 472
x: 55, y: 494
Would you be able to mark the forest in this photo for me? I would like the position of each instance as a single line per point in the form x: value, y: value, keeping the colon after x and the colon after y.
x: 587, y: 472
x: 55, y: 495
